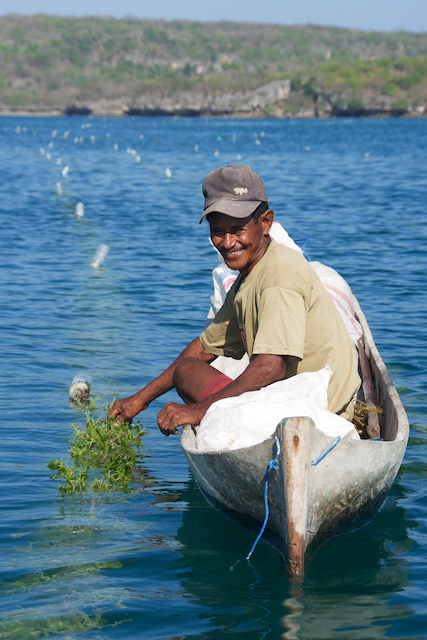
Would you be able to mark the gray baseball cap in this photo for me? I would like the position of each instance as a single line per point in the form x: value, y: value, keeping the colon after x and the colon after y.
x: 235, y: 190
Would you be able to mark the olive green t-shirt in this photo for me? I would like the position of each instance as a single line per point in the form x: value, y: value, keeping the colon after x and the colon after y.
x: 282, y: 308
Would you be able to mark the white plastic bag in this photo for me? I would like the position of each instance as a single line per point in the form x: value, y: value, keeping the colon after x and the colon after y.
x: 342, y: 297
x: 248, y: 419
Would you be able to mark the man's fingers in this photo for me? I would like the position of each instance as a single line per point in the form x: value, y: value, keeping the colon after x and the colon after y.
x: 122, y: 418
x: 168, y: 433
x: 166, y: 424
x: 115, y: 410
x: 173, y: 416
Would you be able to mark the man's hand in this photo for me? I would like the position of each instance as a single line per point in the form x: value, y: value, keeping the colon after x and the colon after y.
x: 174, y: 415
x: 125, y: 409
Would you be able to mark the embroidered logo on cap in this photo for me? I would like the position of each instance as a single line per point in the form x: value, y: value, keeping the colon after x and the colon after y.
x: 240, y: 190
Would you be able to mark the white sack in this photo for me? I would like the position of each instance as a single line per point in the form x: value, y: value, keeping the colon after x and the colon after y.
x: 231, y: 367
x: 342, y: 297
x: 248, y: 419
x: 280, y: 235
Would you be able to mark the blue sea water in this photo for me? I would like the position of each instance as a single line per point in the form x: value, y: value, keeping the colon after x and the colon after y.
x: 155, y: 563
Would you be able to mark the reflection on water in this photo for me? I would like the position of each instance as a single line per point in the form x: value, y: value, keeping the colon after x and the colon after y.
x: 180, y: 551
x: 290, y: 620
x: 347, y: 593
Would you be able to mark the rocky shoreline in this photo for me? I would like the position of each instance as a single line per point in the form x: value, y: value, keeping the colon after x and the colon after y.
x: 273, y: 100
x: 100, y: 66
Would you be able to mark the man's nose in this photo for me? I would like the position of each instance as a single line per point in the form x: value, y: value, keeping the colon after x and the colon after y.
x: 229, y: 240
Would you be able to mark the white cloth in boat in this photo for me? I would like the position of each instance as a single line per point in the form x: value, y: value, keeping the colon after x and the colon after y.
x: 245, y: 420
x: 342, y: 296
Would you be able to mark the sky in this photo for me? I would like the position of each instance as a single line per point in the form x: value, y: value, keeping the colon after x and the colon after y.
x: 380, y: 15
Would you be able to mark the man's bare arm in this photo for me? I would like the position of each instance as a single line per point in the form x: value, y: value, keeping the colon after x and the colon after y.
x: 127, y: 408
x: 262, y: 371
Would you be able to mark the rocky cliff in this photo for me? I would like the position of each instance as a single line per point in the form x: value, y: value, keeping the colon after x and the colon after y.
x: 105, y: 66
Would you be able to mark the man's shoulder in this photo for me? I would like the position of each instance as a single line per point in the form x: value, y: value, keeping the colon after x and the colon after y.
x: 283, y: 265
x: 281, y: 253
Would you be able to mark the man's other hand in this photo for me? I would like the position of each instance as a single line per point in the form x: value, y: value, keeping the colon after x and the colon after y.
x: 174, y: 415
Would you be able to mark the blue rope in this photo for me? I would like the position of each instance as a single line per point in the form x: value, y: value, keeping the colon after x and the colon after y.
x: 273, y: 464
x: 326, y: 451
x: 304, y: 242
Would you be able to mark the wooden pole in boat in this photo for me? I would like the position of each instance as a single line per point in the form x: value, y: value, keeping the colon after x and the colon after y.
x: 296, y: 440
x: 373, y: 427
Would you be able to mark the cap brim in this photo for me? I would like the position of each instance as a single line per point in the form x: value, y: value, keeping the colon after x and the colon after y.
x: 241, y: 209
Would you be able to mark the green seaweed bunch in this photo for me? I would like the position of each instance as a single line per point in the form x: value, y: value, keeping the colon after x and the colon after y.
x: 89, y: 403
x: 103, y: 447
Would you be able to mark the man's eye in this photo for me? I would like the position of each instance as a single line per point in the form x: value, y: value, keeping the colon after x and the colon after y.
x: 220, y: 232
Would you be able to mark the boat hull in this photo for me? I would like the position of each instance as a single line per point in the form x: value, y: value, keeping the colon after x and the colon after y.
x: 308, y: 504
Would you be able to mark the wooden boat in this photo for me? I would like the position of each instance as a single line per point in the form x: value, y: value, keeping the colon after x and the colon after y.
x: 308, y: 504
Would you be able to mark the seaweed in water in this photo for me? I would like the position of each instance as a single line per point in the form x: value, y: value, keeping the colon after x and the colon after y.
x: 102, y: 446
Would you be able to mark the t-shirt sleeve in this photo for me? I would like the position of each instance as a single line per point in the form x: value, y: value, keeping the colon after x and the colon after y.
x: 222, y: 337
x: 281, y: 323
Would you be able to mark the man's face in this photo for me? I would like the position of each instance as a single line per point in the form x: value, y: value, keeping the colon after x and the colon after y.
x: 241, y: 241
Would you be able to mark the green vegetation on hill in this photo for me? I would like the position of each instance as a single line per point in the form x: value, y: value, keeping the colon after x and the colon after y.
x: 48, y: 62
x: 399, y: 83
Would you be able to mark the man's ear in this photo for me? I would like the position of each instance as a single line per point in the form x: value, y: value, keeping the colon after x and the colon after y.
x: 266, y: 219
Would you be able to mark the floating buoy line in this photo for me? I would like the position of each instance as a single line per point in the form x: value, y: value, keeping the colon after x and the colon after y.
x: 66, y: 169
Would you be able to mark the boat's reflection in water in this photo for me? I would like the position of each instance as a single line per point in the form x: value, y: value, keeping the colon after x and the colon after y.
x: 350, y: 591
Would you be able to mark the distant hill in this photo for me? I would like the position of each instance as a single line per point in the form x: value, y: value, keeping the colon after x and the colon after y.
x: 104, y: 65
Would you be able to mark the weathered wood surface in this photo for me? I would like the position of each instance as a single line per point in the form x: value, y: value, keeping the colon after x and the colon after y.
x: 308, y: 504
x: 373, y: 427
x: 295, y: 438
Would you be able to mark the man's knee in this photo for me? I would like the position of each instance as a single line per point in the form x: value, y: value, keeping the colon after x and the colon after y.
x: 191, y: 377
x: 184, y: 372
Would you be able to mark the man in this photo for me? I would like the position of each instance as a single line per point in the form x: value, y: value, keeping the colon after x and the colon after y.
x: 277, y: 311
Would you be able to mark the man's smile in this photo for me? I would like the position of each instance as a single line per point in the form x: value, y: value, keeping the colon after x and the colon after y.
x: 241, y: 241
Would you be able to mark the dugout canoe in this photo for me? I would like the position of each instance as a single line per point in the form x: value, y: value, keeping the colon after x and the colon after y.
x: 308, y: 504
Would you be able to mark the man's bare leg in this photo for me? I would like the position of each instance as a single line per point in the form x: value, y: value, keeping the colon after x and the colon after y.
x: 191, y: 377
